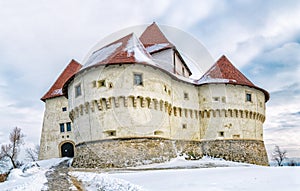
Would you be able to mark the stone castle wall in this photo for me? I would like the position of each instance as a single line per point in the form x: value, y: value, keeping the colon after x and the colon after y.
x: 118, y: 153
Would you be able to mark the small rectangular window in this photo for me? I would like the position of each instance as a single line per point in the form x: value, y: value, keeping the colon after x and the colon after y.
x: 184, y: 126
x: 248, y: 97
x: 216, y: 99
x: 101, y: 83
x: 221, y: 134
x: 111, y: 133
x: 78, y: 90
x: 69, y: 126
x: 62, y: 127
x: 138, y: 79
x: 186, y: 96
x: 64, y: 109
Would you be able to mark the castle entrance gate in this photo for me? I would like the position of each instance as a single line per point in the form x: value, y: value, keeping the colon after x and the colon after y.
x: 67, y: 150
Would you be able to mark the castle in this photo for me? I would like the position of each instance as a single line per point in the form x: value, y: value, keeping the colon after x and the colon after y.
x: 133, y: 103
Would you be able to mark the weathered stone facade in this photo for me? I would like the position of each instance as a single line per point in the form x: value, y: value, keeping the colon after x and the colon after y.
x: 118, y: 153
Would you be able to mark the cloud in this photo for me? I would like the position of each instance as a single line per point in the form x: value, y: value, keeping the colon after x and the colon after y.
x: 39, y: 38
x: 283, y: 118
x: 281, y: 64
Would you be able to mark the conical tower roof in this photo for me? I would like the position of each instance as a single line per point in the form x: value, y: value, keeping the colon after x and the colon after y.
x: 56, y: 89
x: 223, y: 71
x: 153, y: 36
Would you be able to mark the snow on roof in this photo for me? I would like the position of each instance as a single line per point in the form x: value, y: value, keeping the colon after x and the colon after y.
x: 157, y: 47
x: 128, y: 49
x: 154, y: 41
x: 135, y: 48
x: 153, y: 35
x: 101, y: 54
x: 56, y: 89
x: 223, y: 71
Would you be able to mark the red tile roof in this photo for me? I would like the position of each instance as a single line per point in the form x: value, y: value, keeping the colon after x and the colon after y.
x: 56, y: 89
x: 153, y: 35
x: 223, y: 71
x: 125, y: 50
x: 154, y: 41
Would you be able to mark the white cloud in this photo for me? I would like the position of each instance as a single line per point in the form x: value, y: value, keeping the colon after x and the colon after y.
x: 38, y: 39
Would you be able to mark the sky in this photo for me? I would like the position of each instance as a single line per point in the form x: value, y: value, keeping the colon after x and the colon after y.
x: 38, y: 38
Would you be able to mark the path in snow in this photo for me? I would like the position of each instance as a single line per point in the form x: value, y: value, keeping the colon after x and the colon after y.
x: 58, y: 178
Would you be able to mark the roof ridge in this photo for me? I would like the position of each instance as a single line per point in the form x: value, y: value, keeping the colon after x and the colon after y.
x: 153, y: 35
x: 223, y: 71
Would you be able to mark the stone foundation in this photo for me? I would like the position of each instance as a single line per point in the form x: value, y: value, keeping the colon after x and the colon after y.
x: 118, y: 153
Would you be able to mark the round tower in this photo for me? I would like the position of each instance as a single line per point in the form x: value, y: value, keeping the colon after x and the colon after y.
x: 232, y: 113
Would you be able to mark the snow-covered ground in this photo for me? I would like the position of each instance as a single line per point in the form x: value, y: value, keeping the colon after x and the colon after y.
x: 178, y: 174
x: 30, y: 177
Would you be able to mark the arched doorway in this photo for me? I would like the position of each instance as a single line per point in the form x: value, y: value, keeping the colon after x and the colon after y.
x: 67, y: 150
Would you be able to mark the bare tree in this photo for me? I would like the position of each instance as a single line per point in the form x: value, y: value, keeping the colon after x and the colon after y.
x: 33, y: 153
x: 279, y: 155
x: 10, y: 151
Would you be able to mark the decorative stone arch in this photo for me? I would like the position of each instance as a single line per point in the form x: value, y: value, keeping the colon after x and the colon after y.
x: 86, y: 107
x: 175, y: 111
x: 155, y: 101
x: 131, y: 101
x: 81, y: 109
x: 103, y: 103
x: 180, y: 111
x: 112, y: 102
x: 170, y: 109
x: 121, y: 101
x: 218, y: 113
x: 250, y: 114
x: 185, y: 113
x: 191, y: 113
x: 148, y: 103
x: 212, y: 112
x: 241, y: 113
x: 254, y: 115
x: 140, y: 101
x: 235, y: 113
x: 207, y: 113
x: 92, y: 105
x: 99, y: 104
x: 66, y: 148
x: 230, y: 112
x: 166, y: 104
x: 161, y: 105
x: 224, y: 112
x: 263, y: 119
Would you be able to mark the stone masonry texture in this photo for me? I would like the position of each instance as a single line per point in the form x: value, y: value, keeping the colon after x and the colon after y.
x: 120, y: 153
